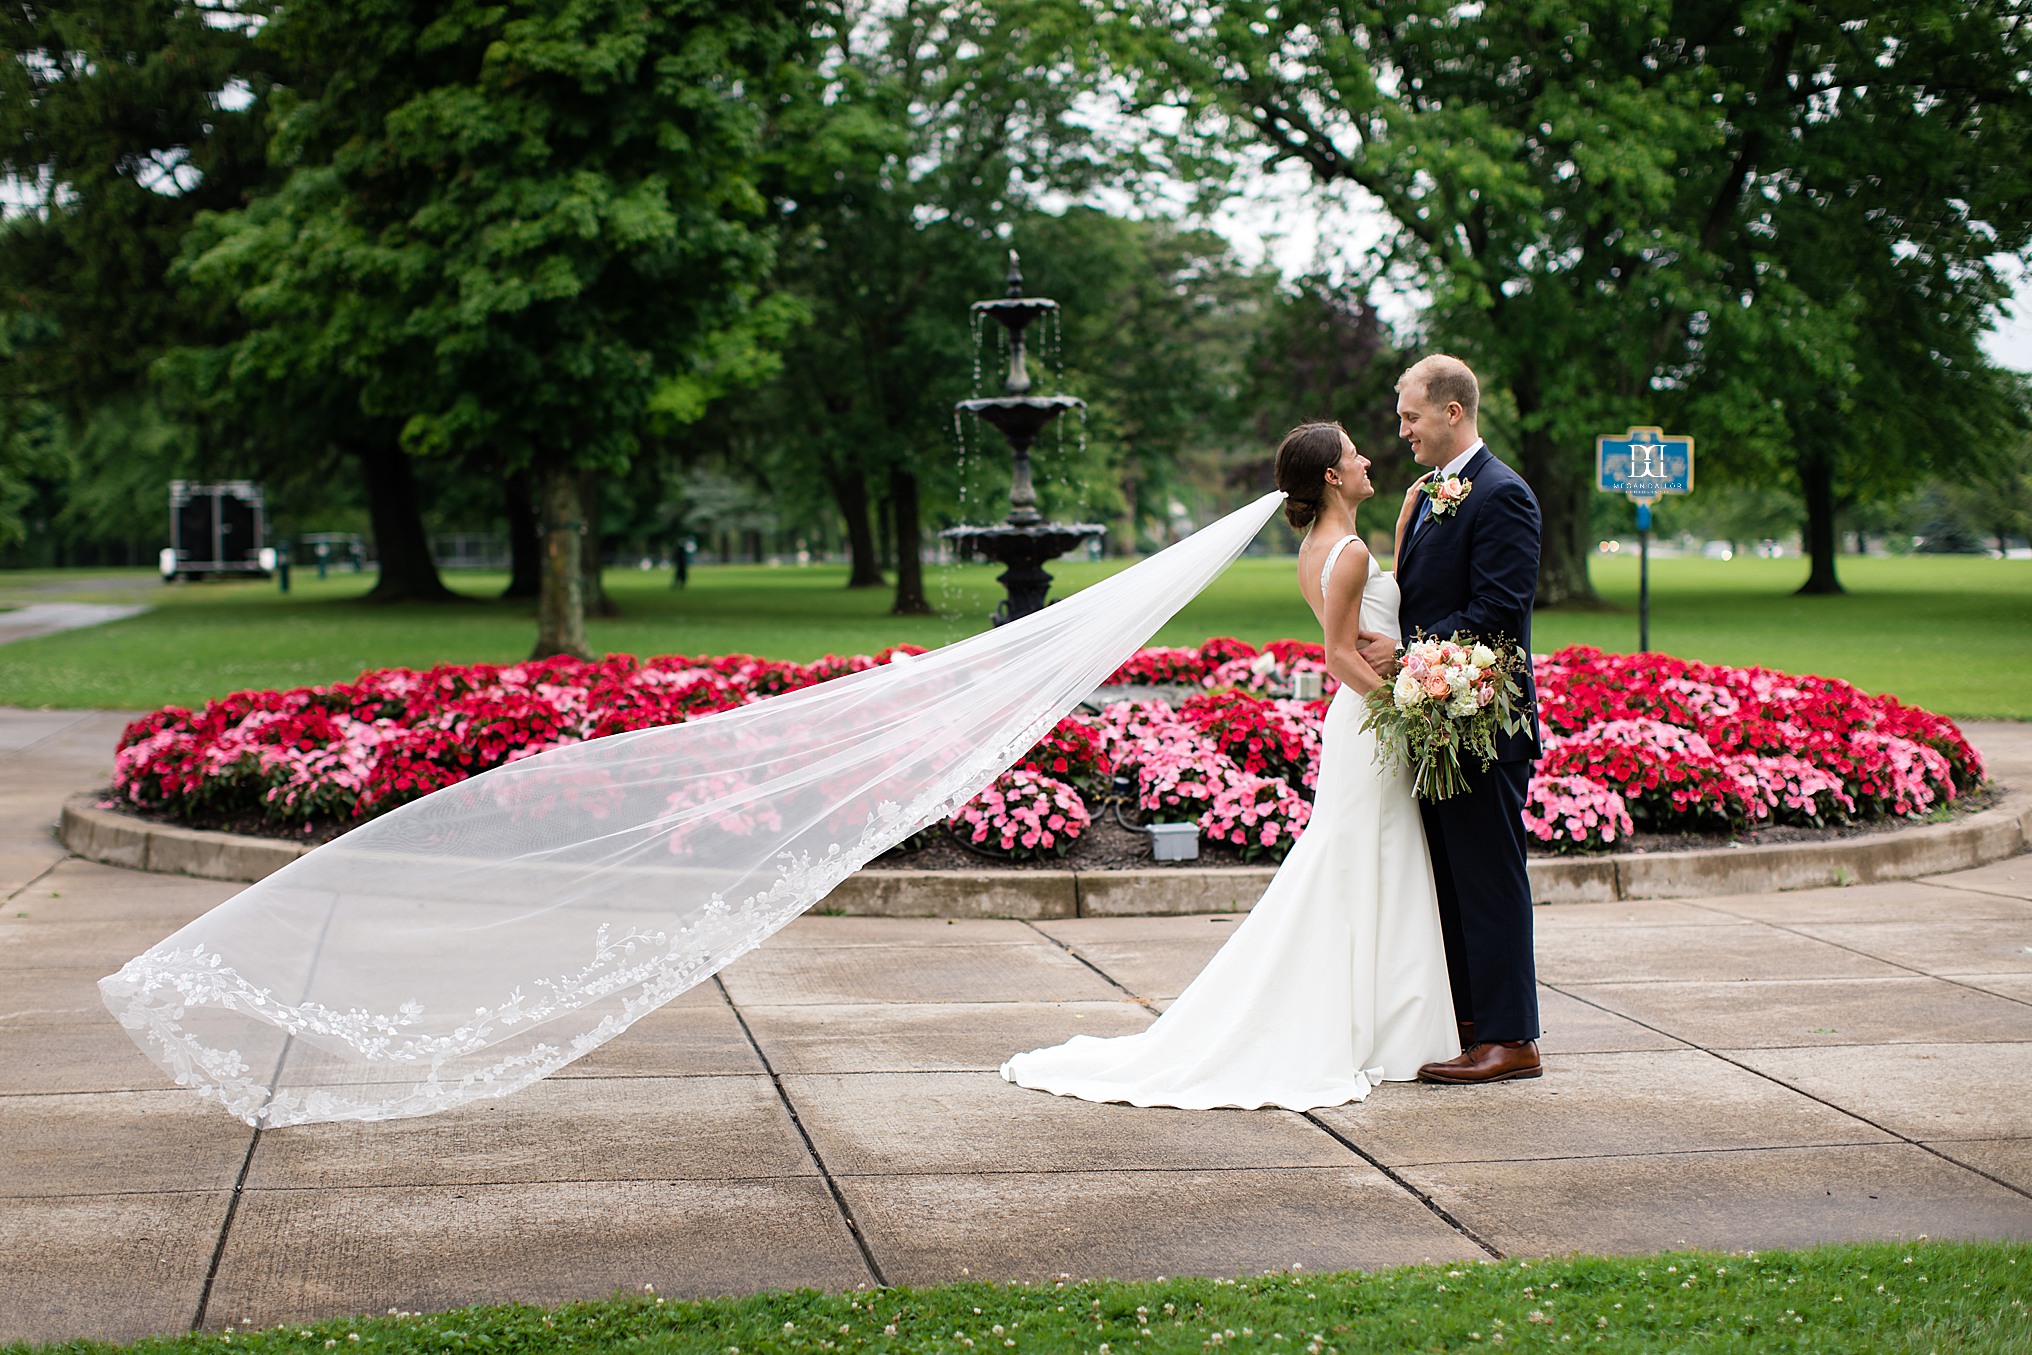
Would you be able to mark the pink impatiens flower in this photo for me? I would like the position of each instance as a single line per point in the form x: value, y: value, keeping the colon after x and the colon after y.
x: 1023, y: 814
x: 1669, y: 744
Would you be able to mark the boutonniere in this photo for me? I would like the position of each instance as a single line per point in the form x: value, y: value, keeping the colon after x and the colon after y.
x: 1446, y: 495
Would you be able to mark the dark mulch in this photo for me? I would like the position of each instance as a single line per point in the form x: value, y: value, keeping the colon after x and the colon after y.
x: 246, y: 825
x: 1107, y: 845
x: 1972, y: 803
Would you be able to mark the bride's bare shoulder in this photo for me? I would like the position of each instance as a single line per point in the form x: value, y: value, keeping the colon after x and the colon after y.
x: 1355, y: 550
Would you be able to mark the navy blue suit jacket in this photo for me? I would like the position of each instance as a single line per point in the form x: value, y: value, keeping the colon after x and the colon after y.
x: 1475, y: 572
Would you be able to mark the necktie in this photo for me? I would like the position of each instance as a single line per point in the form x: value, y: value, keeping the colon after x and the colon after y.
x: 1424, y: 516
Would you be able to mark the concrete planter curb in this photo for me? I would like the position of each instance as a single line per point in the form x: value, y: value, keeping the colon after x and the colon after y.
x: 1931, y: 849
x: 122, y: 840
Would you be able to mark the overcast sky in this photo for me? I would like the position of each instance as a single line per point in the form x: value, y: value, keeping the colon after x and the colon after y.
x: 2010, y: 343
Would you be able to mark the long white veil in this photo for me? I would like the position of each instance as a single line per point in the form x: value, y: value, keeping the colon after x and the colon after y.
x: 475, y: 940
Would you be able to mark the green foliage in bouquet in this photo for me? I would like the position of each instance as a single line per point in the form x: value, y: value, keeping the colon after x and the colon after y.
x: 1450, y: 698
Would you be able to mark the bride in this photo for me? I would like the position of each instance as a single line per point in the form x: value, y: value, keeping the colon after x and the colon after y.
x: 1337, y: 978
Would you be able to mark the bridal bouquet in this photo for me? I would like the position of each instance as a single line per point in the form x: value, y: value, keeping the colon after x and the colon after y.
x: 1451, y: 697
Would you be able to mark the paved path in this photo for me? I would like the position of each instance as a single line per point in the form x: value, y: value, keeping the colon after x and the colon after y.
x: 47, y: 618
x: 1737, y: 1072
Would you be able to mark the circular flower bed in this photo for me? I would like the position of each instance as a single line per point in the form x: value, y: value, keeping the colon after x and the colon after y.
x: 1631, y: 743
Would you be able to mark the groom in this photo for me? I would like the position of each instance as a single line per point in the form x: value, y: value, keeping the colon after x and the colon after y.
x: 1472, y: 568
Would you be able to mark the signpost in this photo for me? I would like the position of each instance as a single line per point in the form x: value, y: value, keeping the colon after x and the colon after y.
x: 1643, y: 465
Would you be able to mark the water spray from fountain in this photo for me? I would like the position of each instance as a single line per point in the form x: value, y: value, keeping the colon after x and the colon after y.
x: 1023, y: 541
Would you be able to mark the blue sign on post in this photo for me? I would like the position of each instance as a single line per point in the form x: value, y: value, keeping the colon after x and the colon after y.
x: 1644, y: 465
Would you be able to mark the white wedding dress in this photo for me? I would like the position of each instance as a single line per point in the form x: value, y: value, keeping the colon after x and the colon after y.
x: 1334, y: 982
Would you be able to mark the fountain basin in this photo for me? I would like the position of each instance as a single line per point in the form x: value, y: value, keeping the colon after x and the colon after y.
x: 1022, y: 547
x: 1020, y: 418
x: 1026, y: 543
x: 1015, y: 312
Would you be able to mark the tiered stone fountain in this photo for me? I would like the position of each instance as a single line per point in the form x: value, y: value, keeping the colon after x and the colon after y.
x: 1023, y: 541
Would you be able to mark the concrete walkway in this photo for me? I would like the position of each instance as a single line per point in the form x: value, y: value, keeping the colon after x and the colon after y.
x: 48, y: 618
x: 1744, y: 1072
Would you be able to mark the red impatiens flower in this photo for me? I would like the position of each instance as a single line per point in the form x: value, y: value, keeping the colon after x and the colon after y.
x: 1669, y: 743
x: 1073, y: 753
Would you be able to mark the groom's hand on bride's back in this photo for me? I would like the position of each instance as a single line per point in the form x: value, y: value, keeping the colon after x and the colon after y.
x: 1379, y: 652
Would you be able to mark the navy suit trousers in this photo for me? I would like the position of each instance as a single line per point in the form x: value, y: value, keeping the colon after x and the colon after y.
x: 1477, y: 841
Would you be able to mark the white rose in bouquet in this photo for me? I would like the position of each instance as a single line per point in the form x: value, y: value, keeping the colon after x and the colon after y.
x: 1450, y: 703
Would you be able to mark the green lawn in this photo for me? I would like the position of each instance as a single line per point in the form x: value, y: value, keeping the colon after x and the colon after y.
x: 1966, y: 1297
x: 1950, y: 633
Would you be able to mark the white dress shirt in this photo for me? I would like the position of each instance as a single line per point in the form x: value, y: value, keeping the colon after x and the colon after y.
x: 1459, y: 463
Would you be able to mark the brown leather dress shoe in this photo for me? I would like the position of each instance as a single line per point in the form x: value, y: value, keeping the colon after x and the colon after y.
x: 1497, y: 1062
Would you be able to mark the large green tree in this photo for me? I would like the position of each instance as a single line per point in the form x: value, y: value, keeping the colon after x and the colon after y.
x: 930, y: 140
x: 1864, y: 266
x: 920, y: 133
x: 1590, y: 189
x: 1324, y: 352
x: 509, y: 232
x: 1157, y: 331
x: 120, y: 122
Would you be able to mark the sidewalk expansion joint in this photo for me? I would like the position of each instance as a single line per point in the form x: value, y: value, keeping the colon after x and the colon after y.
x: 1777, y: 1081
x: 225, y: 1229
x: 28, y: 748
x: 1438, y: 1210
x: 39, y: 876
x: 1127, y: 1169
x: 247, y: 1162
x: 515, y: 1183
x: 1104, y: 975
x: 1910, y: 970
x: 832, y: 1186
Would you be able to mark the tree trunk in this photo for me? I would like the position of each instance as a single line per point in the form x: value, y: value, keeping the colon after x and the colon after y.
x: 1132, y: 497
x: 910, y: 599
x: 1559, y: 481
x: 850, y: 492
x: 885, y: 533
x: 1553, y: 474
x: 1816, y: 484
x: 591, y: 556
x: 408, y: 573
x: 561, y: 603
x: 525, y: 538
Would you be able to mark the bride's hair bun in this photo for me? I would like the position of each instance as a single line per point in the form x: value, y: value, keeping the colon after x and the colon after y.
x: 1307, y: 453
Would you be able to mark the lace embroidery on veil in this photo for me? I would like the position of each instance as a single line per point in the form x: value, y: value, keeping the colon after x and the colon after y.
x: 486, y: 935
